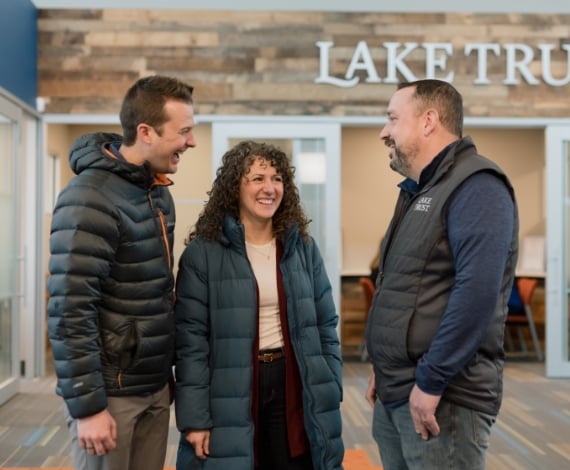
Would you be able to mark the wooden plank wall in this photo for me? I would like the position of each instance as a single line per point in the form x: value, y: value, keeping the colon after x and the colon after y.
x: 266, y: 63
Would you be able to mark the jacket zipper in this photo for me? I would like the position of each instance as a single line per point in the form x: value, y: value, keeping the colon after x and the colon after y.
x: 163, y: 230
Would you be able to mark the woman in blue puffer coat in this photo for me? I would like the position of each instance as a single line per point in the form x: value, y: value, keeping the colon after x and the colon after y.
x: 258, y: 364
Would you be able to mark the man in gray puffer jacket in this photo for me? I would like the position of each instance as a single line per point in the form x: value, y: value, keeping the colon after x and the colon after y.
x: 111, y: 284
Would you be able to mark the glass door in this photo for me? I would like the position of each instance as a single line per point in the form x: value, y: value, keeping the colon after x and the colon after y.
x: 10, y: 116
x: 558, y: 251
x: 315, y: 153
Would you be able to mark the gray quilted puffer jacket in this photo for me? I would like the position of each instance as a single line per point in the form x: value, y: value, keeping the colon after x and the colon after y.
x: 110, y: 322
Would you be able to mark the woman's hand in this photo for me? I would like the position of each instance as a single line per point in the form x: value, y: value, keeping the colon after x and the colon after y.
x: 200, y: 440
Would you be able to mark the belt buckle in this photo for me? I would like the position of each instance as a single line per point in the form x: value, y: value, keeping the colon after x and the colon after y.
x: 267, y: 357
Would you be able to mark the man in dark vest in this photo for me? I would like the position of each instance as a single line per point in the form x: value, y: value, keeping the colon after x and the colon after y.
x: 435, y: 330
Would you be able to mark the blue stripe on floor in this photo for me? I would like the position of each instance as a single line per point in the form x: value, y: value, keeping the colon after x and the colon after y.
x: 35, y: 436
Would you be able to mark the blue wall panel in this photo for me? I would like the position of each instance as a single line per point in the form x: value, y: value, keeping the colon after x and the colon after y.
x: 19, y: 49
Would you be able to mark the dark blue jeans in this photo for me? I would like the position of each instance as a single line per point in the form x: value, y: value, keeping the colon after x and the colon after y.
x: 272, y: 426
x: 461, y: 445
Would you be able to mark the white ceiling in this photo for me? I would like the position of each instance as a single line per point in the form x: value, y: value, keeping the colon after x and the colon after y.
x: 479, y: 6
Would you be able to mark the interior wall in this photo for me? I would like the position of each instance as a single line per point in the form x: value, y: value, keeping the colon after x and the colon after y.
x: 251, y: 63
x: 520, y: 153
x: 368, y: 196
x: 191, y: 183
x: 369, y: 187
x: 19, y: 49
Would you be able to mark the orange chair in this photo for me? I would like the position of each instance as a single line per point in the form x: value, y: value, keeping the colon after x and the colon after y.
x: 368, y: 290
x: 521, y: 316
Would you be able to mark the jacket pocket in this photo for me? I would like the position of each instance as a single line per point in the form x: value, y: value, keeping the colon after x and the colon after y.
x: 120, y: 345
x: 128, y: 347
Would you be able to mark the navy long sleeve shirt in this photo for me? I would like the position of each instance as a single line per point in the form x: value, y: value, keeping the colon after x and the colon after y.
x: 480, y: 224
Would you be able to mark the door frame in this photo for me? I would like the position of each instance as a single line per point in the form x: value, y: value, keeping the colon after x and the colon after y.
x: 28, y: 325
x: 557, y: 226
x: 330, y: 132
x: 11, y: 385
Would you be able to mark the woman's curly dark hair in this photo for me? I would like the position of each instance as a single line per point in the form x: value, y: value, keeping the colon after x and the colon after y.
x: 224, y: 195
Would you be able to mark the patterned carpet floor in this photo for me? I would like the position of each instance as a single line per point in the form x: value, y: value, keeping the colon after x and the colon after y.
x: 531, y: 431
x: 354, y: 459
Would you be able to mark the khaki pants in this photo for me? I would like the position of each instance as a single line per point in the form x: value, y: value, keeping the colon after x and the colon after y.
x: 142, y: 434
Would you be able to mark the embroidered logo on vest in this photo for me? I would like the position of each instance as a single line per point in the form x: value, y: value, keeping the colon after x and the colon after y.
x: 423, y: 205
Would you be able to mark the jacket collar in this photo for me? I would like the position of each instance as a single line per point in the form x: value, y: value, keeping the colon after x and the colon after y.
x: 233, y: 235
x: 437, y: 167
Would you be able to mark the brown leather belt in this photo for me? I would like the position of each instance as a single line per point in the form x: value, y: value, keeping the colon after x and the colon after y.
x: 270, y: 355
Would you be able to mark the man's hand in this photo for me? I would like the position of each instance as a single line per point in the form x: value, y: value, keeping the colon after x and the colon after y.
x: 200, y: 440
x: 422, y: 409
x: 97, y: 434
x: 370, y: 394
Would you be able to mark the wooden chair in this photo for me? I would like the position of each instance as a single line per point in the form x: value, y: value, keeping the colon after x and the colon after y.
x: 520, y: 315
x: 368, y: 291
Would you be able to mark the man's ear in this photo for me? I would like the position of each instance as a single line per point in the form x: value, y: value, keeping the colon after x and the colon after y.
x: 144, y: 133
x: 431, y: 119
